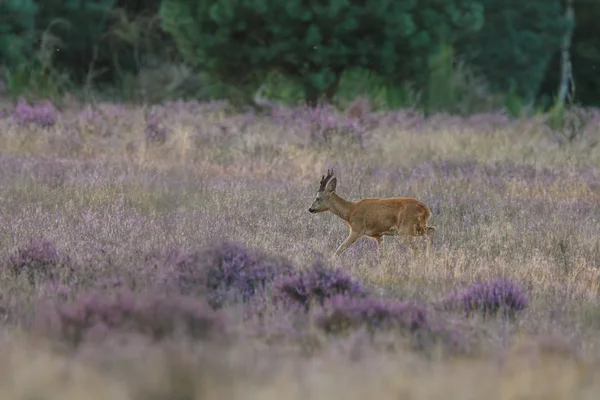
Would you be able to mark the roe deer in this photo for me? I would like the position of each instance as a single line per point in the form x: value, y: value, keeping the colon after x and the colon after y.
x: 376, y: 218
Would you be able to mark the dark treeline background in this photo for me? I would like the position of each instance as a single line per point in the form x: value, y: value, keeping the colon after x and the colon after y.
x: 458, y: 56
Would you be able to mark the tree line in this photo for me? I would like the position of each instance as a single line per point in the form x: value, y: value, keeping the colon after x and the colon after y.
x: 451, y: 55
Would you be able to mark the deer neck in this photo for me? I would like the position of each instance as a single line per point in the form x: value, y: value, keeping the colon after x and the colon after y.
x: 340, y: 206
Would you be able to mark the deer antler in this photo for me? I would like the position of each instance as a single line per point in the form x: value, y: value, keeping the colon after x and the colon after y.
x: 324, y: 179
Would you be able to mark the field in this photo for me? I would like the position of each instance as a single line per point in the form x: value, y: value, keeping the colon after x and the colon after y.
x: 131, y: 244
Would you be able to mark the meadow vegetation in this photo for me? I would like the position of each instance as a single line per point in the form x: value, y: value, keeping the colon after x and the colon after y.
x: 169, y: 254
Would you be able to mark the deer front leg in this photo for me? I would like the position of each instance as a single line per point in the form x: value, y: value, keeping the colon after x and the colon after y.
x: 377, y: 240
x: 430, y: 239
x: 352, y: 237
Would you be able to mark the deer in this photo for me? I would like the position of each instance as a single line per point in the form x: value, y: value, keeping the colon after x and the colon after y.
x: 405, y: 217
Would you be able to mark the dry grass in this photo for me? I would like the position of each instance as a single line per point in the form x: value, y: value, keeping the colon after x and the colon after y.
x: 507, y: 201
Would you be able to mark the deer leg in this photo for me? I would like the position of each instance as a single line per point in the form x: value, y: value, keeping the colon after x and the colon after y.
x: 430, y: 236
x: 409, y: 240
x: 420, y: 231
x: 352, y: 237
x: 378, y: 239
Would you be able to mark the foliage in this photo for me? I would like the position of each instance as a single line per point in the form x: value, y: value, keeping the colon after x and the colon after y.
x: 39, y: 259
x: 89, y: 44
x: 408, y: 53
x: 383, y: 94
x: 313, y: 43
x: 585, y: 54
x: 570, y: 124
x: 315, y: 285
x: 154, y: 315
x: 77, y: 26
x: 225, y: 272
x: 138, y: 60
x: 43, y: 114
x: 323, y: 123
x: 17, y: 31
x: 26, y: 54
x: 489, y: 298
x: 341, y: 313
x: 133, y: 33
x: 454, y: 87
x: 585, y: 57
x: 37, y: 79
x: 516, y: 44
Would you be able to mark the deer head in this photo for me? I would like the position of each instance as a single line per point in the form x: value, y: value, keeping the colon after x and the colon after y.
x: 326, y: 189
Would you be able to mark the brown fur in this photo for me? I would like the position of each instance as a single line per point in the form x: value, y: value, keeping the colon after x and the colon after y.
x: 375, y: 217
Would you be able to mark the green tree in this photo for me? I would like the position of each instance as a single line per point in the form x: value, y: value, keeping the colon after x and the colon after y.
x: 77, y: 26
x: 515, y: 45
x: 17, y: 31
x: 313, y: 42
x: 585, y: 57
x: 585, y: 52
x: 133, y: 37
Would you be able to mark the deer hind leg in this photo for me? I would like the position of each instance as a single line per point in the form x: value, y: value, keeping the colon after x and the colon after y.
x: 352, y: 237
x: 411, y: 241
x: 378, y: 240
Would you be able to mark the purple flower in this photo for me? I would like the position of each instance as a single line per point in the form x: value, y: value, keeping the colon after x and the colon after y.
x: 234, y: 270
x: 322, y: 123
x: 318, y: 283
x: 224, y: 272
x: 340, y: 313
x: 38, y: 258
x: 43, y: 114
x: 489, y: 298
x: 153, y: 315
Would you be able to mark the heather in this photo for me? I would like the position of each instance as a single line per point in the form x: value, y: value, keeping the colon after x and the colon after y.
x: 223, y: 272
x: 315, y: 285
x: 39, y: 260
x: 152, y: 315
x: 169, y: 253
x: 490, y: 297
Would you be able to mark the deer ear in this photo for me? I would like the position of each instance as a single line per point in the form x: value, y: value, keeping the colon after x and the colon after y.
x: 331, y: 184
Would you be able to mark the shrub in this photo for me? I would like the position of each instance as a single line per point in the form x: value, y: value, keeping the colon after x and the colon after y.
x: 522, y: 44
x: 489, y: 298
x: 39, y: 258
x: 316, y: 284
x: 43, y: 114
x: 322, y: 124
x: 78, y: 30
x: 313, y: 44
x: 341, y: 313
x: 102, y: 119
x: 233, y: 267
x: 154, y: 315
x: 224, y: 272
x: 17, y: 27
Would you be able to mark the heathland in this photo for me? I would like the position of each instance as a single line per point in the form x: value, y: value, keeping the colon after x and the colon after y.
x: 169, y: 254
